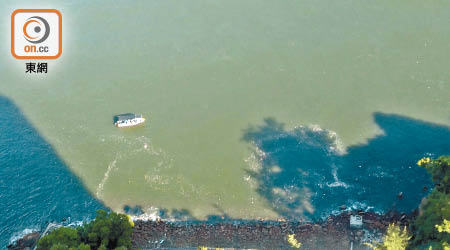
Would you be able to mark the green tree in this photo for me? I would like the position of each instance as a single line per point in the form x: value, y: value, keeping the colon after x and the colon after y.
x: 395, y: 239
x: 110, y: 230
x: 440, y: 172
x: 106, y: 231
x: 444, y: 227
x: 295, y: 244
x: 60, y: 239
x: 433, y: 212
x: 60, y: 247
x: 83, y: 246
x: 436, y: 207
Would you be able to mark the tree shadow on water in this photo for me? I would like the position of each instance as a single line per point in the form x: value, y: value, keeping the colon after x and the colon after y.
x: 36, y: 185
x: 304, y: 174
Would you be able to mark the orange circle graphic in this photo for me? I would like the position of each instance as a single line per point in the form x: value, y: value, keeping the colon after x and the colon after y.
x: 25, y: 28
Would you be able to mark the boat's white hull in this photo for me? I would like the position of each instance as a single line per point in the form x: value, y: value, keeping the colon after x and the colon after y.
x: 130, y: 123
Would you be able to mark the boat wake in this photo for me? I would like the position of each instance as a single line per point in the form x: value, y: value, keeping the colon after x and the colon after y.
x: 111, y: 167
x: 134, y: 149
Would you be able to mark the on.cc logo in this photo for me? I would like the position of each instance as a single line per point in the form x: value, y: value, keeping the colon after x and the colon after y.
x: 39, y: 26
x: 36, y: 34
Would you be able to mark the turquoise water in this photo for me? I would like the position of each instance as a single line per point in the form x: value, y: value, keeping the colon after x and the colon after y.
x: 255, y: 109
x: 36, y: 186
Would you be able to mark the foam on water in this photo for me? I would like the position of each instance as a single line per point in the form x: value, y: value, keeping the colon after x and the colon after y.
x: 18, y: 235
x: 111, y: 167
x: 150, y: 214
x: 130, y: 148
x: 337, y: 182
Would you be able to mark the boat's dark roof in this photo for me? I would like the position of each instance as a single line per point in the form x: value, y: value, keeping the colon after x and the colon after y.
x: 128, y: 116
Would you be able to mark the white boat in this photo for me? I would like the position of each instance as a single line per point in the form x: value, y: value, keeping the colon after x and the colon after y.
x: 128, y: 120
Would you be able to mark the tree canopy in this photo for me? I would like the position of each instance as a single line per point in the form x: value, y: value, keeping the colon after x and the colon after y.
x: 395, y: 239
x: 106, y: 231
x: 435, y: 210
x: 440, y: 172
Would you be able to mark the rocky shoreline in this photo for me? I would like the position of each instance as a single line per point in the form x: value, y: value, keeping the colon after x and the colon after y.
x: 28, y: 241
x: 333, y: 233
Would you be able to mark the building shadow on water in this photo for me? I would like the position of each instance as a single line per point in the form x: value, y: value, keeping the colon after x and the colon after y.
x: 36, y: 185
x: 304, y: 174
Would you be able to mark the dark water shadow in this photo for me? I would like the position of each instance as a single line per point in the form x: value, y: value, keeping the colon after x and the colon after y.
x: 133, y: 210
x: 36, y: 185
x: 305, y: 176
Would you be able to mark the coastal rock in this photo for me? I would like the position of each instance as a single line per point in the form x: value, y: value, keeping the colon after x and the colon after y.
x: 379, y: 225
x: 403, y: 217
x: 369, y: 221
x: 360, y: 233
x: 332, y: 231
x: 27, y: 242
